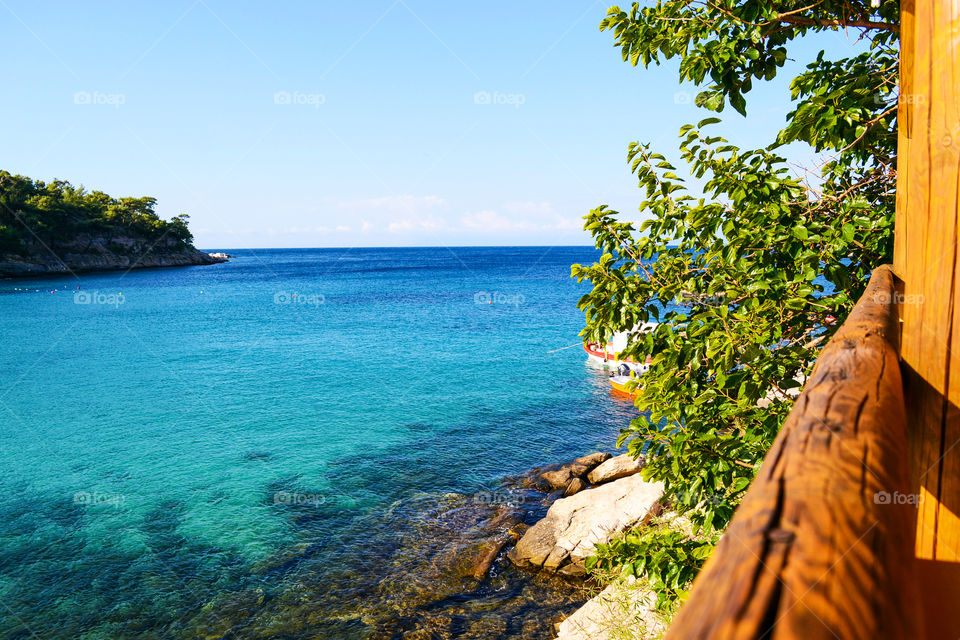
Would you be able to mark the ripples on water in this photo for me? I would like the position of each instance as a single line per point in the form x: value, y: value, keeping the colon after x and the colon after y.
x: 211, y: 458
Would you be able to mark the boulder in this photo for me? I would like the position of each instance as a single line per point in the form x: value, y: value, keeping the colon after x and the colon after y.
x: 593, y: 459
x: 560, y: 478
x: 616, y: 468
x: 574, y: 486
x: 623, y: 610
x: 574, y: 525
x: 535, y: 545
x: 556, y: 477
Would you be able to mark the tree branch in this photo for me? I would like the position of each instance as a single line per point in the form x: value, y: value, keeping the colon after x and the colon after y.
x: 862, y: 24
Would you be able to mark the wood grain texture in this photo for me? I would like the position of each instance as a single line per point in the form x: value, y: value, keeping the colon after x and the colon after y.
x: 905, y: 118
x: 822, y: 545
x: 925, y: 255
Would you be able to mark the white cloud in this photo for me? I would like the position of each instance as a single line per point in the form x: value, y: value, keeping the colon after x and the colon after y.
x: 521, y: 216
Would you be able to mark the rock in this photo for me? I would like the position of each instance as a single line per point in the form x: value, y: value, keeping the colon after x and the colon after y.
x: 516, y: 532
x: 490, y: 550
x: 623, y: 610
x: 616, y: 468
x: 553, y: 477
x: 560, y: 478
x: 556, y: 477
x: 226, y: 609
x: 574, y: 525
x: 574, y: 571
x: 575, y: 486
x: 432, y: 569
x: 593, y: 459
x: 535, y: 545
x: 223, y: 257
x: 88, y: 253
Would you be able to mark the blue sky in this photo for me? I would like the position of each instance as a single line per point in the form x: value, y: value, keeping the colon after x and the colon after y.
x: 321, y: 124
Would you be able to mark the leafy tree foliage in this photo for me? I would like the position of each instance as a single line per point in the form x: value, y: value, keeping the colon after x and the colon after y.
x: 56, y: 212
x: 761, y: 258
x: 668, y: 559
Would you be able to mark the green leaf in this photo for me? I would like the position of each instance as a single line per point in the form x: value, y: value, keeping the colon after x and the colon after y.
x: 848, y: 232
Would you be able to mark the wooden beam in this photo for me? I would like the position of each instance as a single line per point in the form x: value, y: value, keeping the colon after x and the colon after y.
x: 822, y: 545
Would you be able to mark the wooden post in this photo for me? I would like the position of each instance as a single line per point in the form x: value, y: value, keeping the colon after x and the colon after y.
x: 925, y: 258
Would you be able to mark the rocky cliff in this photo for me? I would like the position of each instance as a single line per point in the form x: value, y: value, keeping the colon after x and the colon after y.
x: 55, y: 227
x: 94, y: 253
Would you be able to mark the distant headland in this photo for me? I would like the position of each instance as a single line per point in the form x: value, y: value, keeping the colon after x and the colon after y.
x: 53, y: 228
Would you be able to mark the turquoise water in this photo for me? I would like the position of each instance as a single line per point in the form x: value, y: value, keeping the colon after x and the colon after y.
x: 171, y: 435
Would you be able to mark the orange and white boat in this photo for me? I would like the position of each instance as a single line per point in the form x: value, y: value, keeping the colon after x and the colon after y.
x: 609, y: 353
x: 622, y: 385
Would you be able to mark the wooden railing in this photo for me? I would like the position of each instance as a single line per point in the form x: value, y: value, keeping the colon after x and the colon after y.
x: 823, y: 544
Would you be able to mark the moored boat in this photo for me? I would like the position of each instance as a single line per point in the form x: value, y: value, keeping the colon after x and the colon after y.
x: 622, y: 384
x: 609, y: 353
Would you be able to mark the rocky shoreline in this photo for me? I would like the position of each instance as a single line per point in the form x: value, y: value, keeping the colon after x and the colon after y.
x: 602, y: 496
x: 505, y: 563
x: 89, y: 253
x: 588, y: 501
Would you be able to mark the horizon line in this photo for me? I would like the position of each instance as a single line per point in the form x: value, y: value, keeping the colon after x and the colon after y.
x: 438, y: 246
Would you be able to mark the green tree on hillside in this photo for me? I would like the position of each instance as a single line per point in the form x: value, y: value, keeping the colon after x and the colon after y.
x: 54, y: 212
x: 750, y: 256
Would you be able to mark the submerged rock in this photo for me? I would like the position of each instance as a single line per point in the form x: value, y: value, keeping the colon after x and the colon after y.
x: 435, y: 565
x: 574, y: 525
x: 616, y: 468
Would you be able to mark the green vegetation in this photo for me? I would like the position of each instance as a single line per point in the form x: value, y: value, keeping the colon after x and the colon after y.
x: 34, y: 212
x: 754, y: 252
x: 665, y: 556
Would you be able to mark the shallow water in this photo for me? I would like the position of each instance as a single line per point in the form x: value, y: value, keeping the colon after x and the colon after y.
x: 184, y: 447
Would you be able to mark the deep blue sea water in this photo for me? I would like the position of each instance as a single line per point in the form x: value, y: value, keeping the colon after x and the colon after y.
x: 170, y: 435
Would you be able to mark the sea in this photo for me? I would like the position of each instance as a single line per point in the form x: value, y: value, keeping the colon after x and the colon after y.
x: 222, y: 451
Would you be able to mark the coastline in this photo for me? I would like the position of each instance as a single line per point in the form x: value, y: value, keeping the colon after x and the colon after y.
x: 456, y: 565
x: 19, y: 266
x: 405, y: 507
